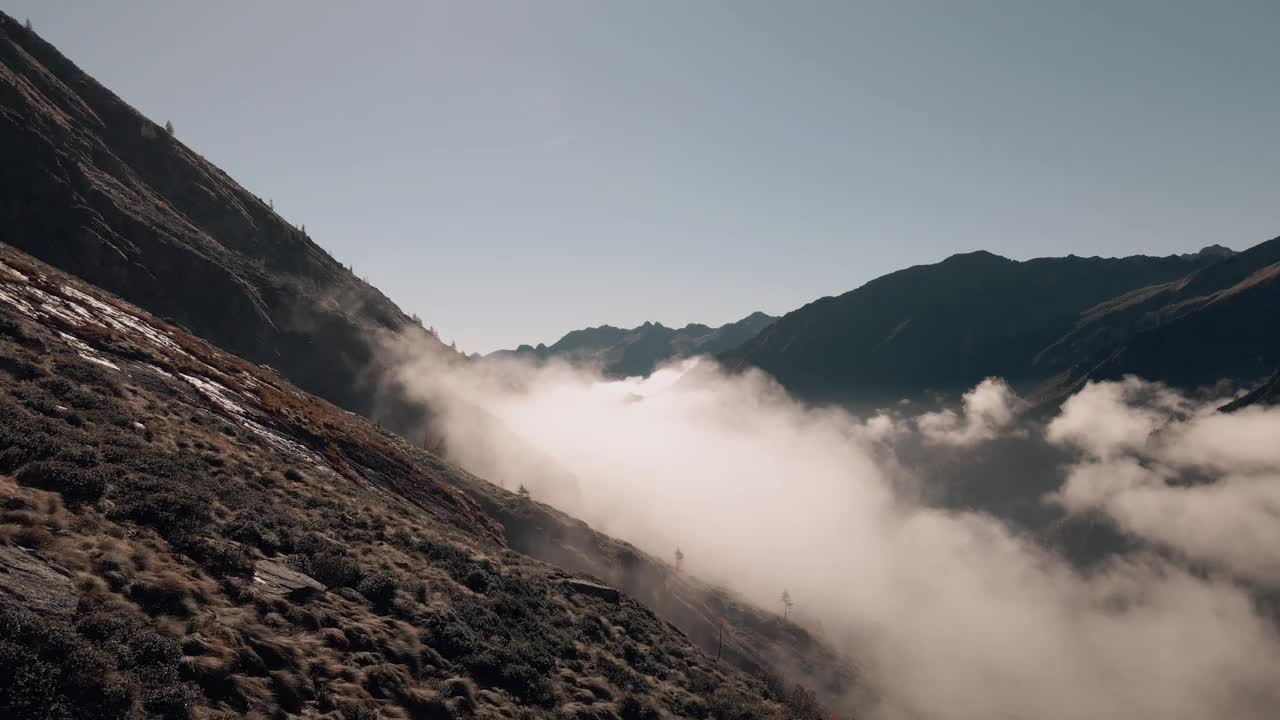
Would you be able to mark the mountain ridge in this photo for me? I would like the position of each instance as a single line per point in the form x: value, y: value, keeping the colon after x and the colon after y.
x: 943, y: 327
x: 623, y: 352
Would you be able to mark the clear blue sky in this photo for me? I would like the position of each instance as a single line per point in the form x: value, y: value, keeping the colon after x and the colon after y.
x: 514, y: 170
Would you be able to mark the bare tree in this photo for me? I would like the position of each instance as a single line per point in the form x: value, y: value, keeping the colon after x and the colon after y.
x: 786, y: 604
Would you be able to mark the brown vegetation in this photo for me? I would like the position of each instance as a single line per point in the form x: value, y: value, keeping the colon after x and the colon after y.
x: 155, y: 496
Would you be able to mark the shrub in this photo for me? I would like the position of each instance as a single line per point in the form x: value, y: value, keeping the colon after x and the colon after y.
x: 168, y: 507
x: 334, y: 568
x: 634, y: 708
x: 249, y: 529
x: 106, y: 666
x: 23, y: 445
x: 477, y: 581
x: 219, y: 558
x: 77, y: 485
x: 379, y: 588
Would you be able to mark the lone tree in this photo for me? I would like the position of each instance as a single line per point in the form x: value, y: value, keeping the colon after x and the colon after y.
x: 523, y: 491
x: 27, y: 24
x: 786, y: 604
x: 679, y: 559
x: 168, y: 126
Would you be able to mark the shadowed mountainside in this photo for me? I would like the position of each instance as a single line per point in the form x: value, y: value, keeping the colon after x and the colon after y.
x: 1217, y: 322
x: 620, y: 352
x: 183, y: 533
x: 1048, y: 322
x: 92, y: 186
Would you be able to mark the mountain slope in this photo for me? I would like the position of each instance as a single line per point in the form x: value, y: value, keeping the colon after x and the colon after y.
x: 183, y: 533
x: 97, y: 189
x: 1267, y: 393
x: 620, y: 352
x: 1215, y: 323
x: 946, y: 326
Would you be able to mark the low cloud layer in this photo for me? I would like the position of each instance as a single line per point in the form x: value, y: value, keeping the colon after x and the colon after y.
x: 951, y: 614
x: 1178, y: 473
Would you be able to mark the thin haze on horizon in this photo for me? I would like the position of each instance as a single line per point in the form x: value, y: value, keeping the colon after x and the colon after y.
x: 512, y: 171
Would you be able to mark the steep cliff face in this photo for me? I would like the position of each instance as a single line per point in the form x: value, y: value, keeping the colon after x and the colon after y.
x: 93, y: 187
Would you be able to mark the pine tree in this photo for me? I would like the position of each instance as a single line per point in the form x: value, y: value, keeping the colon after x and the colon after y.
x: 27, y: 25
x: 786, y: 604
x: 679, y: 559
x: 523, y: 491
x: 168, y: 126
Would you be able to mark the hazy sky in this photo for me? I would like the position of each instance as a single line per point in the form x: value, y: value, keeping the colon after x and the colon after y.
x: 514, y: 170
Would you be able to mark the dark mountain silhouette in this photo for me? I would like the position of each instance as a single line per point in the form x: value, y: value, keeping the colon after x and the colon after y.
x: 620, y: 352
x: 1217, y: 322
x: 946, y: 326
x: 1267, y: 393
x: 94, y: 187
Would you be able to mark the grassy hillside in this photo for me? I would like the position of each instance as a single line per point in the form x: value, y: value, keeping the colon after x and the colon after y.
x: 185, y: 534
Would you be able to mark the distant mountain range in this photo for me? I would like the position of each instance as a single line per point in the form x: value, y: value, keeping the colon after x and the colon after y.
x: 1046, y: 325
x: 624, y: 352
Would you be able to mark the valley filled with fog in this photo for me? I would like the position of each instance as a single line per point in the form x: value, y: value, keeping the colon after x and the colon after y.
x: 1110, y: 556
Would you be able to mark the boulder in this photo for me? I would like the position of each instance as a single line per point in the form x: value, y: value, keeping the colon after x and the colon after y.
x: 277, y: 579
x: 30, y: 582
x: 586, y: 587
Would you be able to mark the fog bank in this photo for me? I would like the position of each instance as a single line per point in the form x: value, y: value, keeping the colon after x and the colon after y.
x: 951, y: 614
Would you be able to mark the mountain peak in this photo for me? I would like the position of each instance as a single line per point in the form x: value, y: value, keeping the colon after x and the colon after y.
x: 984, y: 257
x: 1216, y: 250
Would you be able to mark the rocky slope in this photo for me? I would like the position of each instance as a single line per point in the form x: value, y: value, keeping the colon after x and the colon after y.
x: 944, y: 327
x: 184, y: 534
x: 622, y: 352
x: 95, y: 188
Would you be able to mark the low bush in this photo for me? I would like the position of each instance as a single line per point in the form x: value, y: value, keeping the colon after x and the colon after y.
x: 379, y: 588
x: 76, y: 484
x: 334, y: 568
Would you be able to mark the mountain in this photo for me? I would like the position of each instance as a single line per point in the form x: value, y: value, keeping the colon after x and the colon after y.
x: 620, y: 352
x: 946, y: 326
x: 1267, y: 393
x: 185, y: 534
x: 187, y: 531
x: 92, y: 186
x: 1216, y: 322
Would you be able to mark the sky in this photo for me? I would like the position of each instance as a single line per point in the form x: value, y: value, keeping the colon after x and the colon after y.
x: 511, y: 170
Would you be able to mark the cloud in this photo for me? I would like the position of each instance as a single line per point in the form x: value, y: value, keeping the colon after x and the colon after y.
x: 988, y: 409
x: 949, y: 613
x: 1177, y: 473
